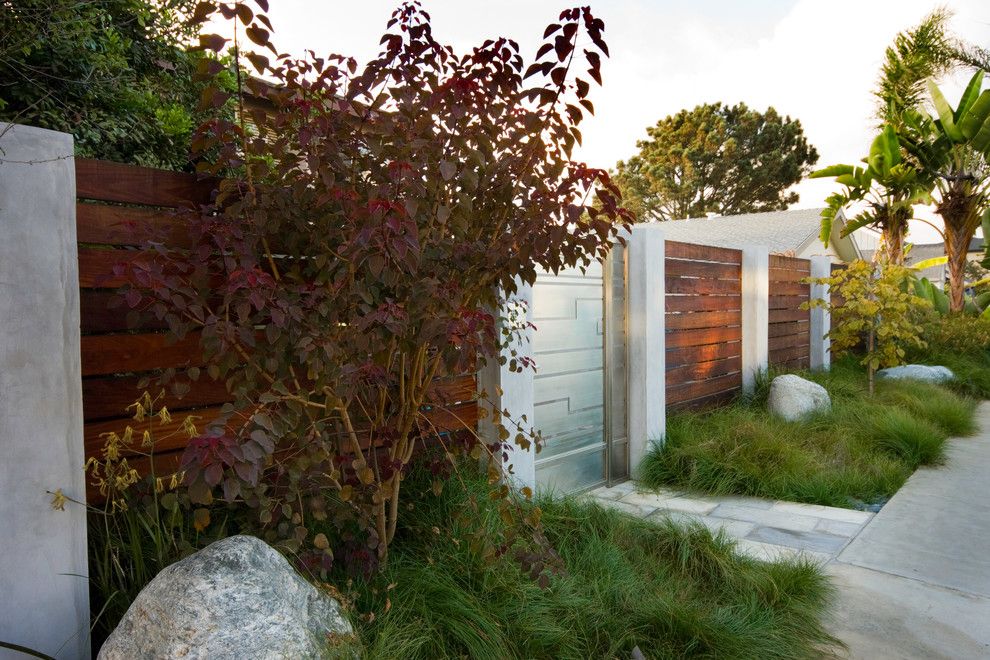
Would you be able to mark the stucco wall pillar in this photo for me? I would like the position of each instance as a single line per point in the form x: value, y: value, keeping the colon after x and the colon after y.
x: 755, y: 314
x: 44, y: 591
x: 645, y: 337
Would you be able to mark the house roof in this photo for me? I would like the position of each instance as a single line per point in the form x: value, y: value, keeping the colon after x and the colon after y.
x: 780, y: 231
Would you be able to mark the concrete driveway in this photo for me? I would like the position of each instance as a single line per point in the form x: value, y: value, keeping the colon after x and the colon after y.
x: 915, y: 582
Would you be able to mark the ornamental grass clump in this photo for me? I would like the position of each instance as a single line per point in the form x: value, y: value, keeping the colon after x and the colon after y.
x: 371, y: 220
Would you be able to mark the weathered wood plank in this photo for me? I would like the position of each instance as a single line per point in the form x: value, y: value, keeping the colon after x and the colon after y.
x: 707, y: 269
x: 682, y: 338
x: 692, y: 320
x: 702, y: 303
x: 781, y: 315
x: 683, y: 285
x: 786, y: 302
x: 128, y: 225
x: 787, y: 328
x: 118, y: 354
x: 705, y: 402
x: 679, y: 250
x: 789, y: 341
x: 681, y: 393
x: 676, y: 357
x: 703, y: 370
x: 131, y: 184
x: 780, y: 275
x: 785, y: 354
x: 782, y: 262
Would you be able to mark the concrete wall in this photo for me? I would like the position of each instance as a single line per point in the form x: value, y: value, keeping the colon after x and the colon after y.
x: 44, y: 594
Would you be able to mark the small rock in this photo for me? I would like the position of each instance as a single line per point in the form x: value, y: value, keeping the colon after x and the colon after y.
x: 923, y: 372
x: 794, y: 398
x: 237, y: 598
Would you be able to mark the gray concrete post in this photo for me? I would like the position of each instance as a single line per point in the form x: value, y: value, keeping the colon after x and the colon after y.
x: 512, y: 391
x: 821, y: 321
x: 646, y: 360
x: 755, y: 314
x: 44, y: 591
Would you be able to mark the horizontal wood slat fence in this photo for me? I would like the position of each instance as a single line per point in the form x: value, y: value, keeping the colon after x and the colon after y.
x: 703, y: 320
x: 789, y: 332
x: 117, y: 207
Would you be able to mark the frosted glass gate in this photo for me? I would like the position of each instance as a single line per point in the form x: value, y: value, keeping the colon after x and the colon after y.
x: 580, y: 412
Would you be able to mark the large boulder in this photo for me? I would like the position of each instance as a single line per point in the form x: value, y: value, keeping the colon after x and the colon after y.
x: 923, y: 372
x: 237, y: 598
x: 794, y: 398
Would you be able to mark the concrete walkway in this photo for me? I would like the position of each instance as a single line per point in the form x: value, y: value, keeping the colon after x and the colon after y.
x: 915, y: 583
x: 912, y: 581
x: 764, y: 529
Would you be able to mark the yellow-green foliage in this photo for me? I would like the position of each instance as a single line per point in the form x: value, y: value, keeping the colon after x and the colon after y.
x: 958, y: 333
x: 875, y: 311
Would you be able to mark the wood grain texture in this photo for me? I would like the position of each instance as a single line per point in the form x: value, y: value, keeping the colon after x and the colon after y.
x: 682, y: 338
x: 697, y: 303
x: 688, y: 355
x: 690, y: 320
x: 128, y: 225
x: 131, y: 184
x: 117, y: 354
x: 703, y: 388
x: 679, y: 250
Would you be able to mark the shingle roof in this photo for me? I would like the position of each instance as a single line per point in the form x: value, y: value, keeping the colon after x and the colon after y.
x: 780, y: 231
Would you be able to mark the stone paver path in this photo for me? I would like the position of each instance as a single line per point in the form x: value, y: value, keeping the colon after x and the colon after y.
x: 765, y: 529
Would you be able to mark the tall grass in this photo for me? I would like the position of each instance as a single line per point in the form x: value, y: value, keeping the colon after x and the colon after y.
x: 670, y: 590
x: 861, y: 451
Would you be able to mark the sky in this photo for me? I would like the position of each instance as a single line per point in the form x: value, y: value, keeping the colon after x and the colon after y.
x: 814, y: 60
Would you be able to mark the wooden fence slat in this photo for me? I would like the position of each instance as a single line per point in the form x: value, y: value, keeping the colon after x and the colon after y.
x: 707, y: 401
x: 787, y: 328
x: 96, y: 266
x: 682, y: 338
x: 688, y: 285
x: 789, y: 341
x: 779, y: 315
x: 790, y: 289
x: 706, y: 269
x: 97, y: 316
x: 682, y: 393
x: 694, y: 303
x: 782, y: 262
x: 112, y: 354
x: 692, y: 320
x: 785, y: 354
x: 131, y: 184
x: 676, y: 357
x: 692, y: 251
x: 703, y: 370
x: 127, y: 225
x: 786, y: 302
x: 107, y: 396
x: 779, y: 275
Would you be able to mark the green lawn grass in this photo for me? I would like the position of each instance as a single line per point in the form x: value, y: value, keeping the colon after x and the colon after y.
x: 671, y: 590
x: 860, y: 452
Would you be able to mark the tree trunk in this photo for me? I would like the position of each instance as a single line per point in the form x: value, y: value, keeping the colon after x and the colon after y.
x: 956, y: 248
x: 893, y: 241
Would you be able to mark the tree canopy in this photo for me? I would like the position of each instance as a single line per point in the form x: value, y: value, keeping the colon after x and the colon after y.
x: 114, y: 73
x: 717, y: 159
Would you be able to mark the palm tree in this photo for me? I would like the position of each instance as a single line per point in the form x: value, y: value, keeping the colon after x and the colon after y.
x: 888, y: 187
x: 952, y: 149
x: 925, y: 52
